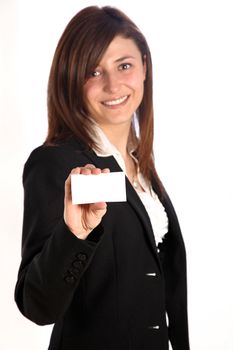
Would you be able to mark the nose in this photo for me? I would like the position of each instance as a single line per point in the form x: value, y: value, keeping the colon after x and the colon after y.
x: 111, y: 83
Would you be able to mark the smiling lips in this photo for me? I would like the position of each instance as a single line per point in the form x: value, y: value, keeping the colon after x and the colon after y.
x: 115, y: 102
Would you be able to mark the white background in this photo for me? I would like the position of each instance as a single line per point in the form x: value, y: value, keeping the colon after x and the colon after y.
x: 191, y: 44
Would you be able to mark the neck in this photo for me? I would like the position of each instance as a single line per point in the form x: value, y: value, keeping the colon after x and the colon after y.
x: 118, y: 135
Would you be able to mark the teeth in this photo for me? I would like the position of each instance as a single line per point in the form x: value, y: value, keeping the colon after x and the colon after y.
x: 115, y: 102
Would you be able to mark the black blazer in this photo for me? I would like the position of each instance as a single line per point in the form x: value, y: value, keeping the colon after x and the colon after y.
x: 112, y: 290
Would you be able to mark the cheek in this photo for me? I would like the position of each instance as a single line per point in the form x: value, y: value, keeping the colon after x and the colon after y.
x: 136, y: 81
x: 89, y: 94
x: 139, y: 87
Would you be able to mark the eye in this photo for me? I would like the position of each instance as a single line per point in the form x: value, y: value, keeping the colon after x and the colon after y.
x: 95, y: 74
x: 125, y: 66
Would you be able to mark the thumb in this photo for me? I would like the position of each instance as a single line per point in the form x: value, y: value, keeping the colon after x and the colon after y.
x: 99, y: 206
x: 98, y: 210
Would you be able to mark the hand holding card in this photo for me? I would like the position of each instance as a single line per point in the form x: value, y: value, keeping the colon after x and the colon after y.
x: 86, y: 191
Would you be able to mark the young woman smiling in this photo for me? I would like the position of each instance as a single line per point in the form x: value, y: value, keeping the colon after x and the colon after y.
x: 109, y: 275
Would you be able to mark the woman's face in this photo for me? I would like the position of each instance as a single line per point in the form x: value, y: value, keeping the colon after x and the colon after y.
x: 114, y: 90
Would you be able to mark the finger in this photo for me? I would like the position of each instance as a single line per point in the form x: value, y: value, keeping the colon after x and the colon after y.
x: 96, y: 171
x: 89, y: 166
x: 106, y: 170
x: 76, y: 170
x: 85, y: 171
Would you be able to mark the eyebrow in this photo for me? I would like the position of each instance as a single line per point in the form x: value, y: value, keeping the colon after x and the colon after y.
x: 124, y: 58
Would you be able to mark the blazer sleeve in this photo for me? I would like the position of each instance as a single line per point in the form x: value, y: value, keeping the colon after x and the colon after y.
x: 53, y: 258
x: 173, y: 257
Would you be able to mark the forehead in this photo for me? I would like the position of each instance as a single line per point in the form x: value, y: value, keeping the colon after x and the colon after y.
x: 121, y: 47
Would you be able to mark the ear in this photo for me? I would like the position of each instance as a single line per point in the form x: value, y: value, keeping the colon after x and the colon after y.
x: 144, y: 66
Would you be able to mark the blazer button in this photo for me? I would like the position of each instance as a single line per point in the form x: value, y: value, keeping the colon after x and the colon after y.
x: 82, y: 256
x: 154, y: 327
x: 77, y: 265
x: 69, y: 279
x: 151, y: 274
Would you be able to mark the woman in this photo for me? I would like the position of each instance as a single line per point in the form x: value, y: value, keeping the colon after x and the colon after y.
x: 110, y: 276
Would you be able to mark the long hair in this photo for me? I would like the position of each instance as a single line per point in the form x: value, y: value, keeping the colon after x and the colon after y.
x: 79, y: 50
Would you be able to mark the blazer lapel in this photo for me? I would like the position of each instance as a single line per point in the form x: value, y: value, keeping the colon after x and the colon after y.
x: 132, y: 197
x: 138, y: 206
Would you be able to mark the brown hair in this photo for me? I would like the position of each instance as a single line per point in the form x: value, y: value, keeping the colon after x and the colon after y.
x: 78, y: 52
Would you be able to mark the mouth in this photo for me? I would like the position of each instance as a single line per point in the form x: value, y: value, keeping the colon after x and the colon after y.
x: 116, y: 102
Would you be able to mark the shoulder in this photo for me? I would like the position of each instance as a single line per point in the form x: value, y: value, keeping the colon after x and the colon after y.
x: 60, y: 158
x: 52, y: 152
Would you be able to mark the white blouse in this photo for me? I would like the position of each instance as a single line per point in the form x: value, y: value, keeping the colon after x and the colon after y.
x: 150, y: 200
x: 157, y: 215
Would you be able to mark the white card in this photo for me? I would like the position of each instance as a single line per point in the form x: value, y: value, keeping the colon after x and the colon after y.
x: 105, y: 187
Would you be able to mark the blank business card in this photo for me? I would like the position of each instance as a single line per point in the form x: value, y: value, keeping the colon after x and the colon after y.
x: 109, y: 187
